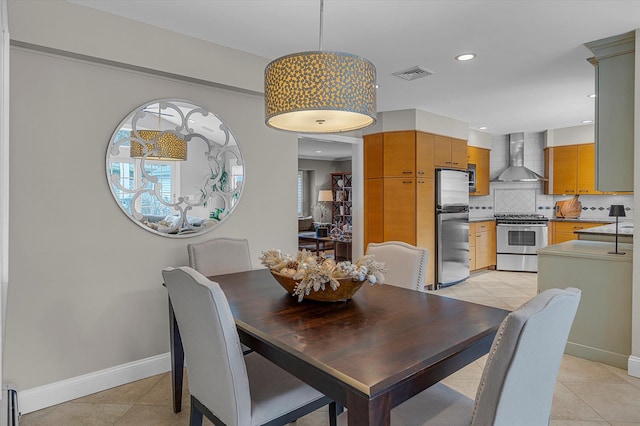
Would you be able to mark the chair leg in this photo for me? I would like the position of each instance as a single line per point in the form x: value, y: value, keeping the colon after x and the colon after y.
x: 195, y: 415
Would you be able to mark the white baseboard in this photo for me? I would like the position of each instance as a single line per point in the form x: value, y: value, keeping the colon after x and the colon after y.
x: 634, y: 366
x: 66, y: 390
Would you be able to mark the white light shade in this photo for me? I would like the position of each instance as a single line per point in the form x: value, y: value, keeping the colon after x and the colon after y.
x: 325, y: 195
x: 320, y: 92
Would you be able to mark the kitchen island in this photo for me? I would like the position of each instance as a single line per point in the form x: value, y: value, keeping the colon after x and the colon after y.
x: 601, y: 330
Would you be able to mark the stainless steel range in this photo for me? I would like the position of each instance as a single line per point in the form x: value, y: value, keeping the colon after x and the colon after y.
x: 518, y: 237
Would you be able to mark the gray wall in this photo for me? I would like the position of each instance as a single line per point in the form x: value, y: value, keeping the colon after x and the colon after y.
x: 85, y: 287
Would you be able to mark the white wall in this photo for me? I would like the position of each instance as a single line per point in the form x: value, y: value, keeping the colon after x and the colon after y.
x: 479, y: 139
x: 415, y: 119
x: 570, y: 135
x: 56, y: 24
x: 86, y: 291
x: 86, y: 288
x: 634, y: 360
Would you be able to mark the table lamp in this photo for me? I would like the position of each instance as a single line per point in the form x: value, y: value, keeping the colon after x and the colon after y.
x: 616, y: 210
x: 324, y: 196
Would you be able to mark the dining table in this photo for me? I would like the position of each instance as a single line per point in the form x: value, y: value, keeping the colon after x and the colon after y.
x: 369, y: 354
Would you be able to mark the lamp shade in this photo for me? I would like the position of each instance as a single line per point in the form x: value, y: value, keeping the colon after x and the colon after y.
x: 616, y: 210
x: 169, y: 146
x: 320, y: 92
x: 325, y: 195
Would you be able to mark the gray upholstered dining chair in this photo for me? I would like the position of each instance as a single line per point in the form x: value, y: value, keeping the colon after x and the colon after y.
x: 227, y: 387
x: 406, y: 264
x: 220, y: 256
x: 518, y: 379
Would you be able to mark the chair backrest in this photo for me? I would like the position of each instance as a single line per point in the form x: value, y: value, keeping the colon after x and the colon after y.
x: 406, y: 264
x: 217, y: 372
x: 520, y: 375
x: 220, y: 256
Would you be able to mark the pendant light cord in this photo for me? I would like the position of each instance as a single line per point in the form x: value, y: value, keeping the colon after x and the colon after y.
x: 321, y: 25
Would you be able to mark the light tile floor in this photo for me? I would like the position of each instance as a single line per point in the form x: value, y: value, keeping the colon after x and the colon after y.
x: 587, y: 393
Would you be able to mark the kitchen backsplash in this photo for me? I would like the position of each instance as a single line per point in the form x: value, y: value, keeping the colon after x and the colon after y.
x: 528, y: 197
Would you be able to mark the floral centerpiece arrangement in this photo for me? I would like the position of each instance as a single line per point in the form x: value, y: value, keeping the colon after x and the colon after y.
x: 318, y: 273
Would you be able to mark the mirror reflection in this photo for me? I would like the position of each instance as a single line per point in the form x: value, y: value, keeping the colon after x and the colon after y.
x: 175, y: 168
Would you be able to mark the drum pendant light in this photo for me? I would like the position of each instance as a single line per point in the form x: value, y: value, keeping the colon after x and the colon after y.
x: 157, y: 145
x: 320, y: 92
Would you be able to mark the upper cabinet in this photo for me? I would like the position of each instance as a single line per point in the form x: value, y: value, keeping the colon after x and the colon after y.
x: 399, y: 154
x: 373, y: 156
x: 614, y: 64
x: 586, y: 172
x: 570, y: 169
x: 481, y: 158
x: 425, y: 163
x: 450, y: 152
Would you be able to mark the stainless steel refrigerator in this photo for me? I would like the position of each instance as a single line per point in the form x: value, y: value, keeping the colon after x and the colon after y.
x: 452, y: 227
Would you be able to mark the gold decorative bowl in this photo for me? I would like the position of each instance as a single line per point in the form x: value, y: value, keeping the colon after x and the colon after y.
x: 348, y: 287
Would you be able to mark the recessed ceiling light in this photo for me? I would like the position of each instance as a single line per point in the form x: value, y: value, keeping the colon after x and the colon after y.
x: 318, y: 152
x: 465, y: 56
x: 482, y: 128
x: 593, y: 95
x: 587, y: 121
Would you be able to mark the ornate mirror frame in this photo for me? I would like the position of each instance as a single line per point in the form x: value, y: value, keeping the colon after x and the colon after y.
x: 175, y: 168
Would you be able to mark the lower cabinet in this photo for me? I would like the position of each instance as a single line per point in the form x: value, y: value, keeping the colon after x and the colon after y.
x: 401, y: 209
x: 472, y: 246
x: 482, y: 245
x: 559, y: 232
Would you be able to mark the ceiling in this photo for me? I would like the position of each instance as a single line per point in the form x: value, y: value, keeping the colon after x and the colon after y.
x: 530, y: 73
x: 314, y: 149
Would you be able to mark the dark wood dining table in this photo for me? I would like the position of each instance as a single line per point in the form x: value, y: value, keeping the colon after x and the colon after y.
x: 369, y: 354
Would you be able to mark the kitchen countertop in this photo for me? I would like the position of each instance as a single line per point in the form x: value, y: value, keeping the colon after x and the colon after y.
x: 589, y: 250
x: 581, y: 219
x: 482, y: 219
x: 624, y: 228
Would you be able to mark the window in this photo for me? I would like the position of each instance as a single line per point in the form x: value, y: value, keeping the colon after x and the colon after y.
x: 300, y: 191
x: 150, y: 204
x: 167, y: 173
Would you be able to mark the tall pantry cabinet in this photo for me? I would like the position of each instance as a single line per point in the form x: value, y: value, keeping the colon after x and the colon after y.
x: 400, y: 190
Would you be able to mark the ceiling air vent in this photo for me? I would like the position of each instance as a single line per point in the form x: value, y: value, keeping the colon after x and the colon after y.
x: 413, y: 73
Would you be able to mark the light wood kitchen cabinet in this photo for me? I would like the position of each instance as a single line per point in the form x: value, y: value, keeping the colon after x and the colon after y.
x: 373, y: 219
x: 399, y: 191
x: 372, y: 153
x: 450, y: 152
x: 481, y: 158
x: 564, y: 169
x: 484, y: 244
x: 399, y: 154
x: 559, y: 232
x: 472, y: 246
x: 586, y: 173
x: 425, y: 162
x: 571, y: 169
x: 399, y: 210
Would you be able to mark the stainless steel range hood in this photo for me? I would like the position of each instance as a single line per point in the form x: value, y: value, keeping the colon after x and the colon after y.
x: 517, y: 172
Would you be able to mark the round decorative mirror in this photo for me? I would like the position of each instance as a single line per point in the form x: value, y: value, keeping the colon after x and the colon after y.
x: 175, y: 168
